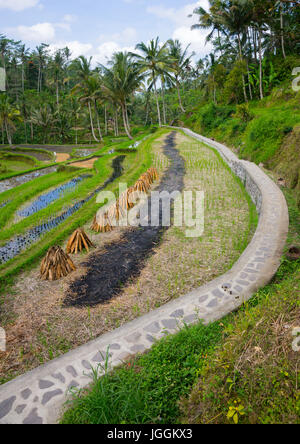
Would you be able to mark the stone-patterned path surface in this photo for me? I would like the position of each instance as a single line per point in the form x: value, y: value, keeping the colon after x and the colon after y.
x: 38, y: 397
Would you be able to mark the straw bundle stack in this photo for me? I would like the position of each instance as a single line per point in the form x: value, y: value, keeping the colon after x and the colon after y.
x: 78, y: 242
x: 56, y: 264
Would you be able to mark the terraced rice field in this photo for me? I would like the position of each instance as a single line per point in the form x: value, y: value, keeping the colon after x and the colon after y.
x: 89, y: 164
x: 132, y: 270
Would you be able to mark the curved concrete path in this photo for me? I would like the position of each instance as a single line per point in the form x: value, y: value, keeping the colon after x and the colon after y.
x: 38, y: 396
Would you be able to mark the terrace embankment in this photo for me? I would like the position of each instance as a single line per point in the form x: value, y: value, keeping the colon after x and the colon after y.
x: 20, y: 243
x: 39, y: 325
x: 107, y: 272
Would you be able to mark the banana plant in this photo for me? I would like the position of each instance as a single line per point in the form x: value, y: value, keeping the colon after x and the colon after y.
x: 270, y: 76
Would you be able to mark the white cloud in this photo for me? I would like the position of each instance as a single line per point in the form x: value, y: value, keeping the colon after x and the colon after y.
x: 41, y: 32
x: 76, y: 48
x: 105, y: 51
x: 70, y: 18
x: 178, y: 16
x: 197, y: 39
x: 182, y: 25
x: 126, y: 37
x: 18, y: 5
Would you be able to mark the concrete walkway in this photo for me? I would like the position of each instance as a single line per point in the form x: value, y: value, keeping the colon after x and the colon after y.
x: 38, y: 396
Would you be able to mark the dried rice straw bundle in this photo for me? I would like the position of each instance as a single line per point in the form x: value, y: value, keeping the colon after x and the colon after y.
x: 125, y: 202
x: 147, y: 178
x: 153, y: 173
x: 102, y: 224
x: 141, y: 186
x: 56, y: 264
x: 78, y: 242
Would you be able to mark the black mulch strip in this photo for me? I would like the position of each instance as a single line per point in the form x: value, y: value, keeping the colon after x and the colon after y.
x: 108, y: 271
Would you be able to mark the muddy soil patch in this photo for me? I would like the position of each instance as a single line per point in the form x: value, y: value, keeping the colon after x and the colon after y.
x: 109, y: 271
x: 56, y: 148
x: 62, y: 157
x: 89, y: 164
x: 43, y: 157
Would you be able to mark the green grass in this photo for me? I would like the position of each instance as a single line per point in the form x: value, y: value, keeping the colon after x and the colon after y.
x: 255, y: 366
x: 23, y: 193
x: 259, y: 139
x: 135, y: 164
x: 15, y: 163
x: 147, y: 390
x: 243, y: 361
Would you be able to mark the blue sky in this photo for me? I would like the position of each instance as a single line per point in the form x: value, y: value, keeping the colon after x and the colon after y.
x: 98, y: 28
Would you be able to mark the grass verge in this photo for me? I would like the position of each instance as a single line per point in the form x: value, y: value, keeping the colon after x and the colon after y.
x: 241, y: 369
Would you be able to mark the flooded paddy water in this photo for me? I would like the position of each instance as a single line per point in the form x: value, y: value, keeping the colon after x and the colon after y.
x: 51, y: 196
x: 20, y: 243
x: 15, y: 181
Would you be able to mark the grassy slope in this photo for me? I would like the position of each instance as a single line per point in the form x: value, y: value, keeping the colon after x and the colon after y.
x: 255, y: 367
x: 135, y: 164
x: 244, y: 362
x: 271, y: 131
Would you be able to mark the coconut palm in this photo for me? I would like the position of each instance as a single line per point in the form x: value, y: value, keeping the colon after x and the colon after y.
x: 88, y: 90
x: 120, y: 81
x: 57, y: 71
x: 180, y: 63
x: 44, y: 117
x: 41, y: 55
x: 153, y: 62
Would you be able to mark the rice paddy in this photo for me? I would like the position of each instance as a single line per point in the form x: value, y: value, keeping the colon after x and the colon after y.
x: 116, y: 275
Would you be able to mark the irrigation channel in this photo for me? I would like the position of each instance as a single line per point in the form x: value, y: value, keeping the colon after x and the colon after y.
x: 108, y: 272
x: 46, y: 199
x: 20, y: 243
x: 13, y: 182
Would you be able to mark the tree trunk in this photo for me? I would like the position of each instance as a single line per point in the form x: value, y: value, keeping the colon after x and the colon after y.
x: 249, y: 83
x: 57, y: 94
x: 105, y: 117
x: 243, y: 78
x: 8, y: 133
x: 282, y: 30
x: 25, y: 129
x: 127, y: 119
x: 179, y: 97
x: 163, y: 103
x: 157, y: 104
x: 260, y: 68
x: 98, y: 122
x: 117, y: 123
x: 91, y: 121
x: 23, y: 79
x: 125, y: 122
x: 2, y: 131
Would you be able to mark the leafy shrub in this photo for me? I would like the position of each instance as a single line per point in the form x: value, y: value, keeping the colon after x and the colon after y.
x: 243, y: 112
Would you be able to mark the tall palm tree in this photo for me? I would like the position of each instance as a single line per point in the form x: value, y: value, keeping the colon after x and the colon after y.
x: 23, y: 55
x: 180, y: 62
x: 120, y: 81
x: 88, y: 89
x: 41, y: 55
x: 153, y: 62
x: 57, y: 70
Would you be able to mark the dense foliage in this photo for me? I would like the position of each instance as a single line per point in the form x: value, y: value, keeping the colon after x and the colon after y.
x: 53, y: 98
